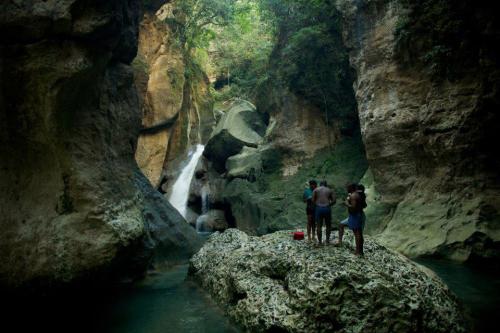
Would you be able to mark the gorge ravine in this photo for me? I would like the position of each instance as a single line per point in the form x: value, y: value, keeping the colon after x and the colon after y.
x: 97, y: 114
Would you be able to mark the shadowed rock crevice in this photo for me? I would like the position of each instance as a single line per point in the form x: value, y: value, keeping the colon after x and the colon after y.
x: 74, y: 206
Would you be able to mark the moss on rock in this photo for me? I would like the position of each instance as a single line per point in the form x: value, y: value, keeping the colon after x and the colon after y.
x: 274, y: 202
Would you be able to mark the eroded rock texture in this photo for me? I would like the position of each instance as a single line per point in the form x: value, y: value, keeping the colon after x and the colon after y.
x: 73, y: 202
x: 429, y: 142
x: 177, y: 110
x: 159, y: 72
x: 240, y: 126
x: 275, y: 284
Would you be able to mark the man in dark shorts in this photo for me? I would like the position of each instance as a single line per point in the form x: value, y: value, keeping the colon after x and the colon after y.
x: 356, y: 218
x: 308, y: 196
x: 323, y: 199
x: 351, y: 188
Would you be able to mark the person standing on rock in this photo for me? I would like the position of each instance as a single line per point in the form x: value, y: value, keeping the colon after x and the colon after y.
x: 351, y: 188
x: 323, y: 199
x: 355, y: 204
x: 308, y: 197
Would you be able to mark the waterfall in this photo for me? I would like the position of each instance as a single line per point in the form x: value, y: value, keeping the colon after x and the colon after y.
x: 204, y: 199
x: 180, y: 190
x: 204, y: 209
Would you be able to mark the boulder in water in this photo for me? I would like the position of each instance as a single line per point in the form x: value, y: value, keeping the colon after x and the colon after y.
x: 273, y: 283
x: 213, y: 220
x: 241, y: 126
x: 246, y: 164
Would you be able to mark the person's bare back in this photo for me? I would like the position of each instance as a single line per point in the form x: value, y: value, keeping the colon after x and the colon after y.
x: 323, y: 196
x: 354, y: 203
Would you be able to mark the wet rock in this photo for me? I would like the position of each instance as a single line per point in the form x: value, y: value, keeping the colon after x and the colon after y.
x: 191, y: 217
x: 273, y: 283
x: 240, y: 126
x: 213, y: 220
x: 74, y: 205
x: 247, y: 164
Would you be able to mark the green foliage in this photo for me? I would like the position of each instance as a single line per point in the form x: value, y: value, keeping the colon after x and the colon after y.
x: 240, y: 55
x: 310, y: 58
x: 193, y: 21
x: 255, y: 48
x: 281, y: 196
x: 440, y: 35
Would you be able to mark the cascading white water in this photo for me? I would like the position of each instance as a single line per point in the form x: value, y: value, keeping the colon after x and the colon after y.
x: 204, y: 209
x: 204, y: 199
x: 180, y: 190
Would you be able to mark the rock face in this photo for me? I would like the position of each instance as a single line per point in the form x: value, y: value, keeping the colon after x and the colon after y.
x: 74, y: 205
x: 245, y: 164
x: 159, y: 72
x: 213, y: 220
x: 428, y: 142
x: 260, y: 185
x: 273, y: 283
x: 299, y: 129
x: 241, y: 126
x: 177, y: 112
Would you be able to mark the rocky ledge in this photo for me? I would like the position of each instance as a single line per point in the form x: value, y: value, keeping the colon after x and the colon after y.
x: 275, y: 284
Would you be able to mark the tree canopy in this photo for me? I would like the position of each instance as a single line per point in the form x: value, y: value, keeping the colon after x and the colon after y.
x: 250, y: 47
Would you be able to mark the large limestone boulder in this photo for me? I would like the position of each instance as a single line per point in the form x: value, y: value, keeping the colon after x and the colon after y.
x: 275, y: 284
x: 246, y: 164
x: 74, y: 205
x: 241, y: 126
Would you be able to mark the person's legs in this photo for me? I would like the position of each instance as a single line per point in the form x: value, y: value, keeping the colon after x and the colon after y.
x: 310, y: 230
x: 319, y: 227
x: 358, y: 236
x: 342, y: 226
x: 319, y: 223
x: 328, y: 223
x: 361, y: 242
x: 313, y: 227
x: 363, y: 223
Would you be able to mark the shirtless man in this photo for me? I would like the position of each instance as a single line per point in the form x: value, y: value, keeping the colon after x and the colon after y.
x: 323, y: 199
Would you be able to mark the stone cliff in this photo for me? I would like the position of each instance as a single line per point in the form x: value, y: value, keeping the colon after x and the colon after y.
x: 177, y: 108
x: 256, y: 172
x: 429, y: 143
x: 74, y: 205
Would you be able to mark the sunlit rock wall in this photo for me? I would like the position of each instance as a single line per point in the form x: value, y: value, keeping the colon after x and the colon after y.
x: 177, y: 112
x: 429, y: 143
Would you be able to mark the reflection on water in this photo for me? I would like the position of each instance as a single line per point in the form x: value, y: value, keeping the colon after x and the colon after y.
x: 164, y: 303
x: 478, y: 289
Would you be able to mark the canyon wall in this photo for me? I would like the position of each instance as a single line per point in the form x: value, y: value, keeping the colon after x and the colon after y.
x: 257, y: 163
x: 74, y: 205
x: 429, y: 142
x: 175, y: 100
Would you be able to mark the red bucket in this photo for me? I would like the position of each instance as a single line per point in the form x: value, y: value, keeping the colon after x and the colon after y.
x: 298, y: 235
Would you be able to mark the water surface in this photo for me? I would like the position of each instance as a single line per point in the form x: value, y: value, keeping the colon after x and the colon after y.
x: 165, y: 302
x: 478, y: 289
